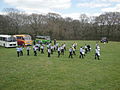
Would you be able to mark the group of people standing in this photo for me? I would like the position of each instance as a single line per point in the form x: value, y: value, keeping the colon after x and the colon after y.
x: 60, y: 50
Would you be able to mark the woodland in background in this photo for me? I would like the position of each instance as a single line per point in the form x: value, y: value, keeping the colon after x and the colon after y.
x: 54, y: 25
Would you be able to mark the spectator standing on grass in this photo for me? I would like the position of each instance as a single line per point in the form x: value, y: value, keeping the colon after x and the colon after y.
x: 18, y: 51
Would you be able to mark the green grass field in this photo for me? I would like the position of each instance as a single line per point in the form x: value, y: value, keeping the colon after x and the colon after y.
x: 43, y: 73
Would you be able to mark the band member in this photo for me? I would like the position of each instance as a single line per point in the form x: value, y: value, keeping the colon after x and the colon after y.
x: 86, y: 49
x: 81, y: 53
x: 18, y: 51
x: 62, y: 49
x: 73, y: 50
x: 42, y: 49
x: 59, y: 49
x: 70, y: 52
x: 21, y: 51
x: 49, y: 52
x: 97, y: 53
x: 28, y: 50
x: 35, y: 50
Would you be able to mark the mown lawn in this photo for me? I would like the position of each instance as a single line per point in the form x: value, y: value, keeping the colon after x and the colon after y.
x: 43, y: 73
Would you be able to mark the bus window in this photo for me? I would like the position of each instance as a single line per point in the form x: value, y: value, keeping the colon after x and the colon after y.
x: 4, y: 39
x: 27, y: 38
x: 20, y: 38
x: 11, y: 39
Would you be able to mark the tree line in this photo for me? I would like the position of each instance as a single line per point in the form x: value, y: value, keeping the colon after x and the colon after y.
x: 54, y: 25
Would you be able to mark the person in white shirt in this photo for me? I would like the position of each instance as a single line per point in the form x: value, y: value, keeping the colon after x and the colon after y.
x: 59, y: 49
x: 18, y: 51
x: 42, y: 49
x: 97, y: 54
x: 35, y: 50
x: 48, y: 46
x: 74, y: 50
x: 56, y: 45
x: 81, y: 53
x: 70, y: 52
x: 21, y: 51
x: 28, y: 50
x: 89, y: 48
x: 86, y: 49
x: 38, y: 47
x: 75, y: 45
x: 64, y: 46
x: 62, y: 49
x: 52, y: 49
x: 49, y: 52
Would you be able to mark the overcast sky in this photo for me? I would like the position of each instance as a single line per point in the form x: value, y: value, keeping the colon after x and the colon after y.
x: 66, y: 8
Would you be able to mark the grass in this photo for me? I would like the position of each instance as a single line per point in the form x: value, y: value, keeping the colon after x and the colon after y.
x: 43, y: 73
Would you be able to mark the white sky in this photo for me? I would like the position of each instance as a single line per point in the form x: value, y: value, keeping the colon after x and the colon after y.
x: 66, y: 8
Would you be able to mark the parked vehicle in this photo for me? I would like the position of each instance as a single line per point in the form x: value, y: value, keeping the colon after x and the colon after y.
x: 104, y: 39
x: 23, y: 39
x: 8, y: 41
x: 43, y: 39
